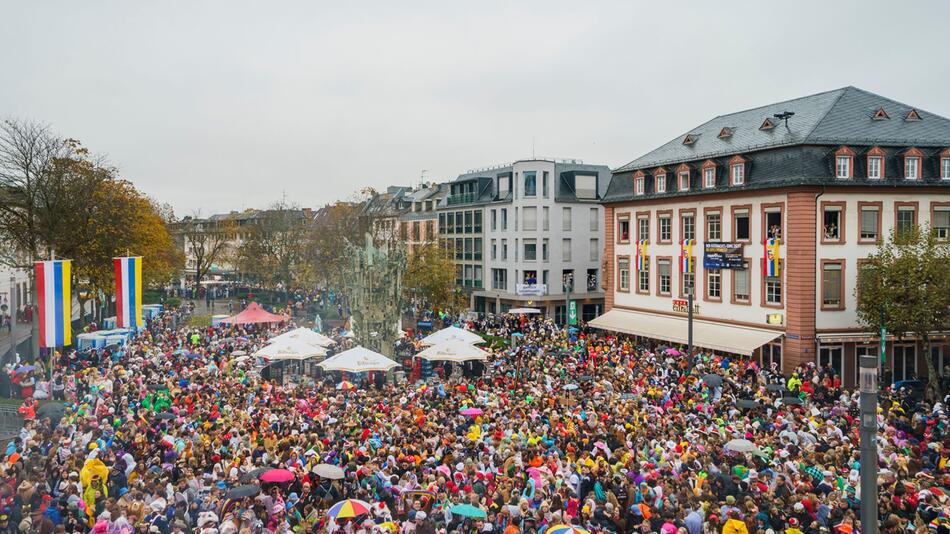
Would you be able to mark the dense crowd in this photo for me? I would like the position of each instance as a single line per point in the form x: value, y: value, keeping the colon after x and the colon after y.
x: 172, y: 433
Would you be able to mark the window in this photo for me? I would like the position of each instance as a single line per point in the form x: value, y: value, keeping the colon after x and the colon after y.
x: 843, y: 167
x: 459, y: 249
x: 623, y: 274
x: 709, y: 177
x: 773, y: 223
x: 594, y: 219
x: 477, y: 278
x: 504, y: 249
x: 459, y: 274
x: 468, y: 222
x: 530, y: 250
x: 740, y: 285
x: 567, y: 280
x: 870, y: 222
x: 906, y: 218
x: 585, y: 186
x: 545, y: 276
x: 545, y: 218
x: 516, y: 218
x: 643, y: 228
x: 684, y: 181
x: 530, y: 183
x: 904, y: 362
x: 773, y: 291
x: 832, y: 286
x: 713, y: 226
x: 504, y: 185
x: 450, y: 222
x: 477, y: 249
x: 442, y: 228
x: 741, y: 229
x: 566, y: 219
x: 772, y: 355
x: 494, y: 220
x: 566, y: 249
x: 875, y: 166
x: 459, y: 227
x: 544, y: 184
x: 832, y: 222
x: 664, y: 269
x: 666, y: 229
x: 832, y: 358
x: 941, y: 222
x: 530, y: 215
x: 468, y: 248
x: 416, y: 234
x: 595, y: 249
x: 504, y: 218
x: 544, y: 249
x: 478, y: 222
x: 517, y: 248
x: 499, y: 279
x: 494, y: 249
x: 643, y: 276
x: 945, y: 168
x: 713, y: 284
x: 640, y: 185
x: 737, y: 173
x: 688, y: 223
x: 660, y: 184
x: 430, y: 232
x: 911, y: 168
x: 623, y: 230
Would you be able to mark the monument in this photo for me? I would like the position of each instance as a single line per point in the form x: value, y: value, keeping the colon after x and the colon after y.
x: 374, y: 285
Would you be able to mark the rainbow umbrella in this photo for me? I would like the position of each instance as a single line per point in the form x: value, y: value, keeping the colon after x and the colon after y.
x: 277, y: 475
x: 348, y: 508
x: 345, y: 385
x: 565, y: 529
x: 471, y: 411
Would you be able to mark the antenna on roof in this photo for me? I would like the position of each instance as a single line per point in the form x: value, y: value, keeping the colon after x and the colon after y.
x: 532, y: 147
x: 784, y: 116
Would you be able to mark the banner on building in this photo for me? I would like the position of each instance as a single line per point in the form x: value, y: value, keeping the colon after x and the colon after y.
x: 723, y: 256
x: 772, y: 260
x: 686, y: 256
x: 642, y: 254
x: 531, y: 290
x: 128, y: 292
x: 54, y: 297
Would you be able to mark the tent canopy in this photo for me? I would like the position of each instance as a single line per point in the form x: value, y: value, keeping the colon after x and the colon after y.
x: 716, y: 336
x: 254, y: 314
x: 358, y: 360
x: 452, y: 334
x: 525, y: 311
x: 305, y: 335
x: 453, y: 352
x: 290, y: 349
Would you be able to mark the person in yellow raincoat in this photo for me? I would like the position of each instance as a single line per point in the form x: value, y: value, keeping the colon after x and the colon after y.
x: 93, y: 477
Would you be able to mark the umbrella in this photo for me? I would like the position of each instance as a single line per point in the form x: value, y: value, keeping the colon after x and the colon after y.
x: 453, y: 351
x: 571, y: 387
x: 247, y: 490
x: 252, y: 474
x: 792, y: 400
x: 331, y: 472
x: 346, y: 385
x: 239, y: 353
x: 25, y: 368
x: 165, y: 415
x: 741, y: 445
x: 348, y: 508
x: 713, y: 381
x: 747, y: 404
x: 565, y: 529
x: 52, y: 410
x: 111, y: 346
x: 357, y: 360
x: 277, y: 475
x: 775, y: 387
x: 471, y: 411
x: 157, y: 387
x: 672, y: 352
x: 523, y: 311
x: 467, y: 510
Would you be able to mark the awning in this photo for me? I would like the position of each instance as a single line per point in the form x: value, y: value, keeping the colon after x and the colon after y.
x: 716, y: 336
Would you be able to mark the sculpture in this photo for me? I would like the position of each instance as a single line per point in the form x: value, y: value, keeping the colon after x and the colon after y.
x: 375, y: 287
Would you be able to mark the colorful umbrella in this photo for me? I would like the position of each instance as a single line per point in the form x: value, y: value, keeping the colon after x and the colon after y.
x: 565, y: 529
x: 346, y: 385
x: 467, y: 510
x: 472, y: 411
x: 348, y: 508
x: 277, y: 475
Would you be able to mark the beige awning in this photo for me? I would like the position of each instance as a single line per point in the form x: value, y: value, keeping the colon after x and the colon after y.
x: 716, y: 336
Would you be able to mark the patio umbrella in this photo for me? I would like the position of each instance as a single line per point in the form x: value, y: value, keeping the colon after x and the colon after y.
x: 452, y: 334
x: 471, y: 411
x: 467, y: 510
x: 741, y: 445
x: 357, y: 360
x: 247, y: 490
x: 252, y: 474
x: 277, y: 475
x: 348, y: 508
x: 565, y: 529
x: 331, y: 472
x: 713, y: 381
x: 524, y: 311
x: 453, y: 351
x: 346, y: 385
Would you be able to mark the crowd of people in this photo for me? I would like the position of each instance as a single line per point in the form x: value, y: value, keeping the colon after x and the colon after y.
x: 174, y: 431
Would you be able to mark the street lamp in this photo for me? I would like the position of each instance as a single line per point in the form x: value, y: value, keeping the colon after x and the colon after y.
x: 689, y: 321
x: 867, y: 382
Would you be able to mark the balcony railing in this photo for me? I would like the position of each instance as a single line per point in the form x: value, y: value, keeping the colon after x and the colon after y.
x: 462, y: 198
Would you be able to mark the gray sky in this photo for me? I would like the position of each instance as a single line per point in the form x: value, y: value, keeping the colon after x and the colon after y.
x: 229, y: 104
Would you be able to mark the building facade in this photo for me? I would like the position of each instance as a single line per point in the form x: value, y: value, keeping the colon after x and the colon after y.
x: 418, y: 225
x: 525, y: 234
x: 774, y: 209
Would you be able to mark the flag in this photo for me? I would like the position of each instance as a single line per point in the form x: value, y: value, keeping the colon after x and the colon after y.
x: 686, y: 256
x: 128, y: 292
x: 771, y: 261
x: 54, y: 299
x: 641, y: 254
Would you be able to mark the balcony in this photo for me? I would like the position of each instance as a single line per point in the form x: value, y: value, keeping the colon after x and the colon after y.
x: 461, y: 198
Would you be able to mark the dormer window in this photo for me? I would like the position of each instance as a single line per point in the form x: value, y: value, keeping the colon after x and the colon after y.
x: 709, y: 174
x: 945, y: 165
x: 912, y: 116
x: 660, y: 181
x: 912, y: 159
x: 737, y: 170
x: 725, y: 133
x: 880, y: 114
x: 689, y: 139
x: 767, y: 124
x: 876, y: 163
x: 639, y: 183
x: 844, y: 163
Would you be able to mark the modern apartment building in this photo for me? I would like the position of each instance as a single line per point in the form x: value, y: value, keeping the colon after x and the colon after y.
x: 520, y: 231
x: 775, y: 208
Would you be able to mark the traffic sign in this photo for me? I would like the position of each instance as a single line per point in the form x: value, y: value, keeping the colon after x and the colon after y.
x: 572, y: 312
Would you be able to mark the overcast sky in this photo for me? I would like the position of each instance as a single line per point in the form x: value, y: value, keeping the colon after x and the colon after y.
x: 231, y: 104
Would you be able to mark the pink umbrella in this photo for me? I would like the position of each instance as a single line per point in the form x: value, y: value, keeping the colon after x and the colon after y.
x: 277, y: 475
x: 673, y: 352
x: 471, y: 411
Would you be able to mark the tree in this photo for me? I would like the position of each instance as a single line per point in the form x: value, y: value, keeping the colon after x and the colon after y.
x: 205, y: 241
x: 275, y: 247
x: 430, y: 276
x: 334, y: 229
x: 906, y: 283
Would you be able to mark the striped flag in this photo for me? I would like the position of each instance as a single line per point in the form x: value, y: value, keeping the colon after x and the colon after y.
x: 55, y: 298
x: 641, y: 254
x: 686, y: 256
x: 128, y: 292
x: 770, y: 262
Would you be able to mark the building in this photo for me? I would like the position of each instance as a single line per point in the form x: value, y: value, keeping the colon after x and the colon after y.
x: 379, y: 214
x: 418, y: 225
x: 815, y: 182
x: 518, y: 231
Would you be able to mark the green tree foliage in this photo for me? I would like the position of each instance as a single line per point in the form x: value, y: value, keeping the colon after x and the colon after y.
x: 908, y: 280
x: 430, y: 276
x: 274, y: 249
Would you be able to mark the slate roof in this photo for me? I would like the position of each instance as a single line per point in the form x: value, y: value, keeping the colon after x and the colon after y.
x: 839, y: 117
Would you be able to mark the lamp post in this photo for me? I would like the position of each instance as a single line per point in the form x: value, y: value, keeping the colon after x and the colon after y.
x: 689, y: 321
x: 13, y: 309
x: 867, y: 377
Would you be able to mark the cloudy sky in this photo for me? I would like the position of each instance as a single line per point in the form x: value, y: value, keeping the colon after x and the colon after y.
x: 227, y: 104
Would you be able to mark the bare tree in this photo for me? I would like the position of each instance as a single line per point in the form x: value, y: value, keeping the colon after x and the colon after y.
x: 206, y: 241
